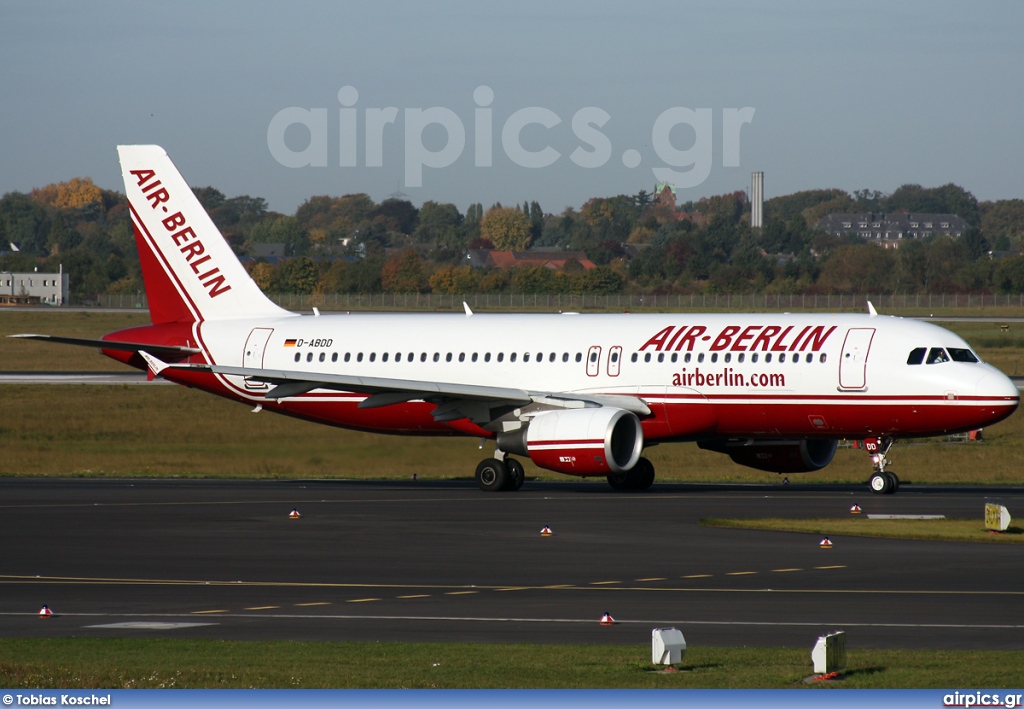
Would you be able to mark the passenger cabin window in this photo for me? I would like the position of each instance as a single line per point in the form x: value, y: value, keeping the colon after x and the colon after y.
x: 917, y: 355
x: 958, y: 354
x: 633, y: 358
x: 512, y: 357
x: 579, y: 356
x: 298, y: 356
x: 937, y: 355
x: 334, y: 356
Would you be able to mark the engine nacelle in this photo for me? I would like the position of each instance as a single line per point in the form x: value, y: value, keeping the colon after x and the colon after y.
x: 801, y: 456
x: 597, y: 441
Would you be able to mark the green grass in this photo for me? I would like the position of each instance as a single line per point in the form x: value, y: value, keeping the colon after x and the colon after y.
x: 953, y: 530
x: 133, y: 663
x: 170, y: 431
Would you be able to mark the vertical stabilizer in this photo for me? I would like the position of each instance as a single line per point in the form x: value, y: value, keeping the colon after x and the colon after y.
x: 191, y: 273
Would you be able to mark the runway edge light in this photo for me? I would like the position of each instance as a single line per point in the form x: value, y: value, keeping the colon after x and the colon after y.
x: 45, y: 612
x: 607, y: 619
x: 825, y: 543
x: 855, y: 510
x: 294, y: 514
x: 546, y: 532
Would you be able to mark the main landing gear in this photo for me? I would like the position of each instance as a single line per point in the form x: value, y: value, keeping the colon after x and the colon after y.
x: 639, y: 477
x: 496, y: 475
x: 493, y: 475
x: 882, y: 482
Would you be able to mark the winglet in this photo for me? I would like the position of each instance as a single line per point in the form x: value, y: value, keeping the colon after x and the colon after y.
x: 871, y: 310
x: 466, y: 306
x: 156, y: 366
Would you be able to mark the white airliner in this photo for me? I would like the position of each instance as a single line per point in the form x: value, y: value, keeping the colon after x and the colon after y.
x: 577, y: 394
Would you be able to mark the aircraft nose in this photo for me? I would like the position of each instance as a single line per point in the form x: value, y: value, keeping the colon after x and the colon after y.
x: 996, y: 385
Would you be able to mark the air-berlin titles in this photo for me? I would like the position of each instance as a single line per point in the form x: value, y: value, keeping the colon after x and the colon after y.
x: 184, y: 237
x: 766, y: 338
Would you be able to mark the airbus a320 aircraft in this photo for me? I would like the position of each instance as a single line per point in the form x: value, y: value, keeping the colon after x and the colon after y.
x: 577, y: 394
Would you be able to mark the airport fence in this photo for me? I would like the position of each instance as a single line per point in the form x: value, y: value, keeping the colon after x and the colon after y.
x: 923, y: 303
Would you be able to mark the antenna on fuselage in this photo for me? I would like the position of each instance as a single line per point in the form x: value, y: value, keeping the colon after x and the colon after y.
x: 871, y: 310
x: 466, y: 306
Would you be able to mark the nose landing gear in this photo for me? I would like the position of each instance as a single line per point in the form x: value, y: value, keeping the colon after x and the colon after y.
x: 882, y: 482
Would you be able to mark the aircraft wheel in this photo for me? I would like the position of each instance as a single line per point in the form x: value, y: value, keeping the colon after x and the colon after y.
x: 491, y: 475
x: 619, y: 481
x: 516, y: 474
x: 894, y: 482
x: 643, y: 474
x: 879, y: 483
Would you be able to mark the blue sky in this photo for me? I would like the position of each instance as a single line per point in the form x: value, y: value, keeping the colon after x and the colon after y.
x: 849, y: 95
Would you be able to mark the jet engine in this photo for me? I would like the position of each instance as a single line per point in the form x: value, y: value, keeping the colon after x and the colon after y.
x: 801, y: 456
x: 591, y: 441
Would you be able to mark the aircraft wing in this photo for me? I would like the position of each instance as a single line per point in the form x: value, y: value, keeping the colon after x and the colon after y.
x: 161, y: 350
x: 481, y: 404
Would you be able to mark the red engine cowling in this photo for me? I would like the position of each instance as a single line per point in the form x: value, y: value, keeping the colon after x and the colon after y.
x: 801, y: 456
x: 597, y: 441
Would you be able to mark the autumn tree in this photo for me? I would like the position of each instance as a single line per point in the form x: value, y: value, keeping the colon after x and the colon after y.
x: 507, y: 228
x: 73, y: 194
x: 403, y: 273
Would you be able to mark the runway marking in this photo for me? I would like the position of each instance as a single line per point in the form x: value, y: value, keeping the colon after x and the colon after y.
x: 653, y: 578
x: 420, y: 595
x: 205, y: 612
x: 316, y: 603
x: 262, y: 608
x: 512, y: 588
x: 362, y: 600
x: 782, y: 571
x: 697, y: 576
x: 606, y: 586
x: 460, y: 593
x: 740, y: 573
x: 830, y: 567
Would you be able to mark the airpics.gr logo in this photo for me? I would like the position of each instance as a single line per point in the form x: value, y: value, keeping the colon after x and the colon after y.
x: 593, y: 151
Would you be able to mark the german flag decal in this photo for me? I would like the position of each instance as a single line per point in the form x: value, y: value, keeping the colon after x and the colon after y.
x: 289, y: 343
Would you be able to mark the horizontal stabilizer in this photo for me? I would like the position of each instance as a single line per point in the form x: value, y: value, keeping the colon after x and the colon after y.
x: 161, y: 350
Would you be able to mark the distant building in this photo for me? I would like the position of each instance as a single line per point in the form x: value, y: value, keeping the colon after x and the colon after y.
x: 48, y: 288
x: 890, y: 230
x: 665, y: 193
x: 757, y: 200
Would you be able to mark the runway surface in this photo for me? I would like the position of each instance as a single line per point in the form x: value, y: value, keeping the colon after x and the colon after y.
x: 445, y: 562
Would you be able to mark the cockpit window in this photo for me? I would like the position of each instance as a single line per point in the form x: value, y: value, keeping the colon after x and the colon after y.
x: 917, y: 355
x: 958, y: 354
x: 937, y: 355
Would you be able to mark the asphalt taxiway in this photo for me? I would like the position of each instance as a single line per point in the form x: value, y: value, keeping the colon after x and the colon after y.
x: 437, y: 561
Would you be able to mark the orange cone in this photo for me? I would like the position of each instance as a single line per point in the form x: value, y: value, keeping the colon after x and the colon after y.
x: 45, y: 612
x: 855, y: 510
x: 294, y: 514
x: 607, y: 619
x: 546, y: 532
x: 826, y: 543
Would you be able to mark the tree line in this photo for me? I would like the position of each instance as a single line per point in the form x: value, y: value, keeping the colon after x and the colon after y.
x: 639, y: 243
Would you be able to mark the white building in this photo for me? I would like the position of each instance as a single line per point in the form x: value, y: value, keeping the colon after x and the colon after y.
x: 50, y: 288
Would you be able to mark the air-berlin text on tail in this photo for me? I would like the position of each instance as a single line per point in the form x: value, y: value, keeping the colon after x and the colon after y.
x: 767, y: 338
x: 185, y: 239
